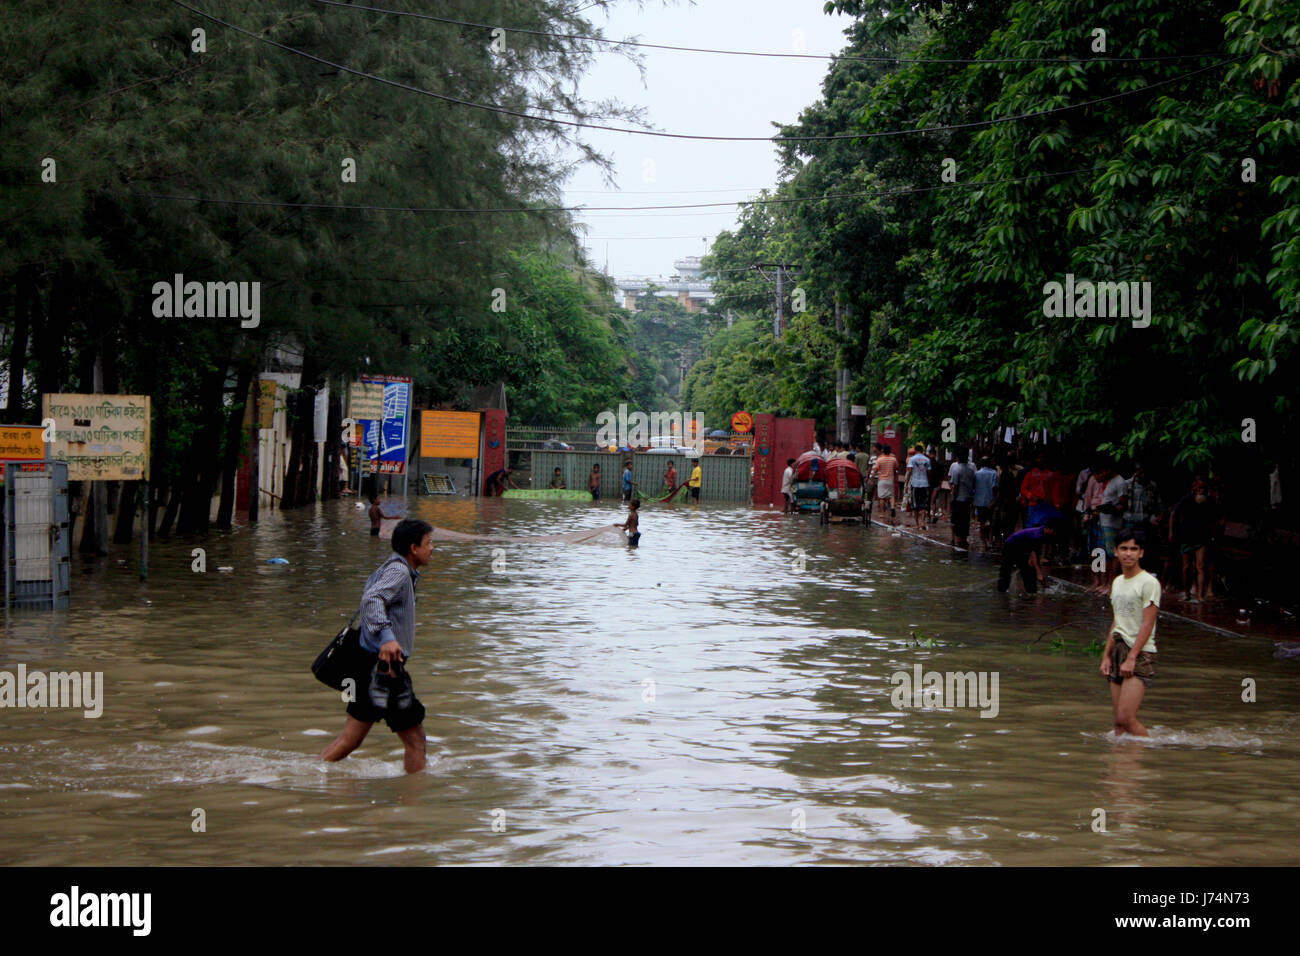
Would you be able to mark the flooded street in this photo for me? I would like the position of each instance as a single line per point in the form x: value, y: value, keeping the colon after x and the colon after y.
x: 696, y: 701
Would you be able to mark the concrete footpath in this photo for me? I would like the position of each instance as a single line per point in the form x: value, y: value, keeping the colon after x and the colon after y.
x: 1223, y: 615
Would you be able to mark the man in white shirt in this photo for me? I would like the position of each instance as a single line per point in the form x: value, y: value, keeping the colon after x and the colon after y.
x: 1128, y: 659
x: 918, y: 470
x: 787, y: 484
x: 962, y: 478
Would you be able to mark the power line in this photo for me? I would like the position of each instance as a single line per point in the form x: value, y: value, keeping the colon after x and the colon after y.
x: 551, y: 209
x: 694, y: 136
x: 588, y: 240
x: 660, y: 192
x: 793, y: 56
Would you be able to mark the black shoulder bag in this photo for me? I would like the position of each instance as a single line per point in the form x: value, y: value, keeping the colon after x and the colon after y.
x: 341, y: 656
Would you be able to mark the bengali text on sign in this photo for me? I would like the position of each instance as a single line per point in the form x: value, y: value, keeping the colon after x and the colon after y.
x: 21, y: 443
x: 101, y: 437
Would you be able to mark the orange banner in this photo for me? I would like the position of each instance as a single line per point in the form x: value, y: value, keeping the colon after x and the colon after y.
x: 21, y: 443
x: 449, y: 434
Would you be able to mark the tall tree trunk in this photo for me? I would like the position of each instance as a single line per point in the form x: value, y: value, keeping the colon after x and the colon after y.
x: 123, y: 533
x: 201, y: 479
x: 234, y: 445
x: 51, y: 371
x: 307, y: 488
x: 296, y: 484
x: 333, y: 446
x: 255, y: 453
x: 170, y: 512
x: 151, y: 516
x: 303, y: 407
x: 94, y: 537
x: 24, y: 308
x: 90, y: 544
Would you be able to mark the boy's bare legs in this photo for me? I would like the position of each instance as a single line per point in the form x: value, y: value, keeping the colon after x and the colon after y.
x: 413, y: 741
x: 348, y: 740
x: 1126, y: 698
x: 1204, y: 586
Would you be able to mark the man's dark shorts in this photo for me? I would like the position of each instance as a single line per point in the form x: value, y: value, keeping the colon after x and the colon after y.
x: 362, y: 710
x: 374, y: 532
x: 1144, y: 668
x: 695, y: 493
x: 961, y: 518
x: 921, y: 498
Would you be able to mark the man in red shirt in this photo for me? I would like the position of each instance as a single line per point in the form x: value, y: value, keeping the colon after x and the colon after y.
x: 1036, y: 491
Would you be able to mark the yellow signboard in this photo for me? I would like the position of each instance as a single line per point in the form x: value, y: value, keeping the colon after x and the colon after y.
x: 101, y: 437
x: 21, y: 443
x: 449, y: 434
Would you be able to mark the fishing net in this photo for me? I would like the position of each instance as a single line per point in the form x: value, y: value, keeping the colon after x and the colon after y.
x: 602, y: 535
x: 664, y: 497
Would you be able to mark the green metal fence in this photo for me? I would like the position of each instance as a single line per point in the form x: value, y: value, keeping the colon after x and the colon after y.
x: 722, y: 477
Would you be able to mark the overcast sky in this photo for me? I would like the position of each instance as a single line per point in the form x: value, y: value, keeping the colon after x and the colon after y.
x: 697, y: 93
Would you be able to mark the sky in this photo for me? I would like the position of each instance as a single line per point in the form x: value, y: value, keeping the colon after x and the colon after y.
x: 698, y: 93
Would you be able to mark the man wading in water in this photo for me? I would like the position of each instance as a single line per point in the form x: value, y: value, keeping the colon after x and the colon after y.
x: 383, y: 687
x: 1129, y: 658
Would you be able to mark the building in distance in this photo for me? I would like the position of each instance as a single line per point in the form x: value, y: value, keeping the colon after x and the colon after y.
x: 685, y: 285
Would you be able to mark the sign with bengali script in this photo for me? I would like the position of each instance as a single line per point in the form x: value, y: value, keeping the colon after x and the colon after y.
x: 101, y: 437
x: 21, y: 443
x: 449, y: 434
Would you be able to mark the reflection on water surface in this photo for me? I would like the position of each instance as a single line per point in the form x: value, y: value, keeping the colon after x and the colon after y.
x: 693, y: 701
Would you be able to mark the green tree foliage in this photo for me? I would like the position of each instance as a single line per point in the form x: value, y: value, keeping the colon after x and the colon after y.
x: 667, y: 338
x: 231, y: 161
x: 1080, y: 161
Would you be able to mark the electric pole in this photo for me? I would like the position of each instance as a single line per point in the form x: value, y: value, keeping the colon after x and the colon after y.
x: 781, y: 269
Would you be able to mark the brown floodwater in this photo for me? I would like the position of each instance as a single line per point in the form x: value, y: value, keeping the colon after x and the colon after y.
x: 696, y: 701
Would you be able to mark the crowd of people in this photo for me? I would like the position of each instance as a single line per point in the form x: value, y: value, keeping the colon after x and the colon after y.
x: 1075, y: 516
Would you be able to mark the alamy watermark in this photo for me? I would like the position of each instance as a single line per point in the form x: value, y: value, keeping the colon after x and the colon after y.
x: 74, y: 909
x: 37, y: 689
x: 923, y: 689
x: 1086, y: 299
x: 639, y: 429
x: 208, y: 300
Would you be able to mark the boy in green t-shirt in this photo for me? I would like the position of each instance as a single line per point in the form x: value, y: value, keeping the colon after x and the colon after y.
x: 1128, y: 660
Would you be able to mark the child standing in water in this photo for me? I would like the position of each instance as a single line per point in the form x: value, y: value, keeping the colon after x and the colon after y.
x: 629, y: 526
x: 1128, y: 660
x: 376, y: 512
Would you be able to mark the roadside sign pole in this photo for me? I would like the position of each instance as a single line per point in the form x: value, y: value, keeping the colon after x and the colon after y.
x: 144, y: 533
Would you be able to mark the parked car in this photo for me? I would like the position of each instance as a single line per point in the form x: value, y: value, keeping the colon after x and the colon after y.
x: 667, y: 445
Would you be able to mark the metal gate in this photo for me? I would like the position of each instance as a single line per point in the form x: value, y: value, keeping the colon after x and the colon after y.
x: 37, y: 573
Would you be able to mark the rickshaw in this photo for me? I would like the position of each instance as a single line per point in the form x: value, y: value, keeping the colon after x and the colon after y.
x: 844, y: 493
x: 809, y: 481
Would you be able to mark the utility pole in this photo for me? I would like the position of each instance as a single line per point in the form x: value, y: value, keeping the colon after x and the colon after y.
x: 843, y: 377
x: 780, y: 269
